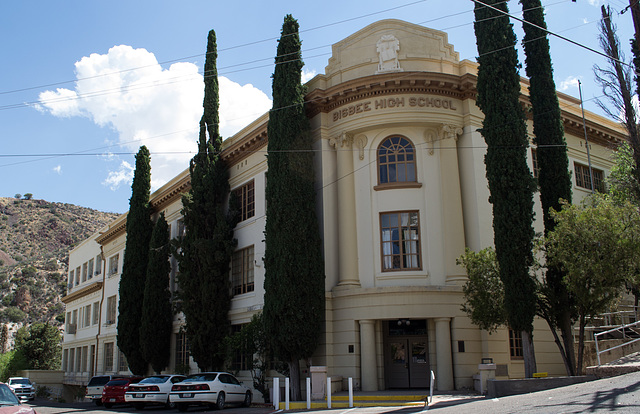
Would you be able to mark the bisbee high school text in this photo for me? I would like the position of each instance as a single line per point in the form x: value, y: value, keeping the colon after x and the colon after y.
x: 393, y: 103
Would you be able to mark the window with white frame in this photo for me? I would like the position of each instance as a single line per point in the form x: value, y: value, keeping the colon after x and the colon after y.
x: 98, y: 264
x: 85, y: 268
x: 90, y: 271
x: 77, y: 275
x: 108, y: 356
x: 111, y: 310
x: 96, y: 313
x: 246, y: 200
x: 400, y: 236
x: 71, y: 278
x: 87, y: 316
x: 396, y: 161
x: 242, y: 271
x: 113, y: 264
x: 122, y: 362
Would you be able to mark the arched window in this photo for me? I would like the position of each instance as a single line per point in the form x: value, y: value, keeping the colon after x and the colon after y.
x: 396, y: 161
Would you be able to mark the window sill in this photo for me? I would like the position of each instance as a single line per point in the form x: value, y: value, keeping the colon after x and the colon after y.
x: 397, y: 186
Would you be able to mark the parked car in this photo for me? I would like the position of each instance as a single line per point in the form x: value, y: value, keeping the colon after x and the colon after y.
x: 22, y: 387
x: 95, y: 386
x: 152, y: 390
x: 113, y: 391
x: 10, y: 403
x: 214, y: 389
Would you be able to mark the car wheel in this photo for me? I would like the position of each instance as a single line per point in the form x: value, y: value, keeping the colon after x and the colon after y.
x: 108, y: 405
x: 170, y: 404
x: 98, y: 402
x: 220, y: 401
x: 182, y: 406
x: 247, y: 399
x: 138, y: 406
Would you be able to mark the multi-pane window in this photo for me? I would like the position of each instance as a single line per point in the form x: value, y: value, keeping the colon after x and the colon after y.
x: 65, y: 359
x: 90, y: 272
x: 108, y: 356
x: 246, y: 200
x: 400, y: 236
x: 182, y: 229
x: 515, y: 344
x: 92, y: 358
x: 71, y: 278
x: 78, y: 359
x: 85, y: 267
x: 122, y: 362
x: 242, y: 271
x: 396, y: 161
x: 583, y: 178
x: 85, y: 354
x: 182, y: 350
x: 111, y: 310
x: 113, y: 264
x: 96, y: 312
x: 240, y: 360
x: 77, y: 275
x: 72, y: 358
x: 534, y: 161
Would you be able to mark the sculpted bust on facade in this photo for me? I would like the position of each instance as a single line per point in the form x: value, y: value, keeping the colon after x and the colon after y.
x: 387, y: 48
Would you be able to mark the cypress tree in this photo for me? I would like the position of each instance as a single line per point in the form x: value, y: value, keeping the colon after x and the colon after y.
x: 205, y: 251
x: 294, y: 268
x: 510, y: 182
x: 156, y: 323
x: 134, y: 268
x: 554, y: 178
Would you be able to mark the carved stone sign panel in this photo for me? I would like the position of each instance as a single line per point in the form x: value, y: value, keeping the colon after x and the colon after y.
x: 387, y: 48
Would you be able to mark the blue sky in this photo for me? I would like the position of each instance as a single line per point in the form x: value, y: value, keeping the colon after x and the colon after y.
x: 85, y: 83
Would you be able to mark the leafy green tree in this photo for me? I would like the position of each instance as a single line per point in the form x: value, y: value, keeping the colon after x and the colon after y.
x: 554, y: 179
x: 134, y: 268
x: 510, y: 182
x: 28, y: 196
x: 18, y: 196
x: 13, y: 314
x: 597, y: 244
x: 483, y: 291
x: 10, y: 363
x: 40, y: 344
x: 294, y: 269
x: 204, y: 253
x: 156, y: 323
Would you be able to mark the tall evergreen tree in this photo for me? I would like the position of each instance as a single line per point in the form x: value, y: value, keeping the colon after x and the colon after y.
x: 510, y: 182
x: 156, y: 323
x: 204, y: 253
x: 294, y: 268
x: 134, y: 268
x: 554, y: 179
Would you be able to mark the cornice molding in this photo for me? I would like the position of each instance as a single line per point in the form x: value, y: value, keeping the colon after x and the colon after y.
x: 94, y: 287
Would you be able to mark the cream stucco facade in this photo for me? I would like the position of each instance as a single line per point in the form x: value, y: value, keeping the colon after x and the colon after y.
x: 387, y: 323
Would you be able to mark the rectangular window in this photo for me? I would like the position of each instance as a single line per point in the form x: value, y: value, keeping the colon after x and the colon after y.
x: 240, y: 360
x: 65, y: 359
x: 534, y: 161
x: 96, y: 313
x: 242, y: 271
x: 182, y: 350
x: 77, y: 275
x: 85, y: 268
x: 400, y: 236
x: 515, y: 344
x: 181, y: 229
x: 78, y: 359
x: 108, y: 356
x: 122, y: 362
x: 111, y: 310
x: 87, y: 316
x: 583, y: 178
x: 85, y: 355
x: 246, y: 200
x: 98, y: 264
x: 113, y: 264
x: 72, y: 358
x: 92, y: 358
x: 90, y: 271
x: 71, y: 279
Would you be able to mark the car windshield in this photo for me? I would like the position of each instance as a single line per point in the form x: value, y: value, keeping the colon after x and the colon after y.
x: 154, y: 380
x: 7, y: 397
x: 98, y: 381
x: 200, y: 377
x: 21, y: 381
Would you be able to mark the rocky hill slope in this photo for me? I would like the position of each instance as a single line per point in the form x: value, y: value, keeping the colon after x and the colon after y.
x: 35, y: 239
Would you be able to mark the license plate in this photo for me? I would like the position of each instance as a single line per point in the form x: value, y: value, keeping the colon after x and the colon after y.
x: 187, y: 395
x: 138, y: 396
x: 112, y: 399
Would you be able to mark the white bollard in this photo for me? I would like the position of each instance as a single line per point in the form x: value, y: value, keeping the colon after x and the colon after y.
x: 276, y: 393
x: 433, y: 380
x: 350, y: 392
x: 286, y: 393
x: 308, y: 393
x: 328, y: 392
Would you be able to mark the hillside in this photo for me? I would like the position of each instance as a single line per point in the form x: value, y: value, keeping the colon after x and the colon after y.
x: 35, y: 239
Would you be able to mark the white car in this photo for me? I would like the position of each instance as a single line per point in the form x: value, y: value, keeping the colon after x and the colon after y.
x: 214, y: 389
x: 22, y: 387
x: 152, y: 390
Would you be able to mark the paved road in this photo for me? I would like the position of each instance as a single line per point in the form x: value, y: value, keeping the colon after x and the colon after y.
x: 612, y: 395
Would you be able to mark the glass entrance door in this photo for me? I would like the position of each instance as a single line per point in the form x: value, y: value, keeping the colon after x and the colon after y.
x: 407, y: 363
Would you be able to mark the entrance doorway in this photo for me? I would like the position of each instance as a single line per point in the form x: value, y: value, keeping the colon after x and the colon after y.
x: 406, y: 354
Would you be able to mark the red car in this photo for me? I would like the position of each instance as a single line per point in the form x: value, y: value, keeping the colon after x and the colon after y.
x: 113, y: 392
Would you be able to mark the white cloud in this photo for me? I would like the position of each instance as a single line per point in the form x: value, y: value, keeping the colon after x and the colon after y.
x: 57, y: 169
x: 122, y: 176
x: 151, y: 106
x: 570, y: 82
x: 307, y: 75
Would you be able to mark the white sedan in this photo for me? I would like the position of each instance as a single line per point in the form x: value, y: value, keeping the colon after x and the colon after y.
x: 152, y: 390
x: 214, y: 389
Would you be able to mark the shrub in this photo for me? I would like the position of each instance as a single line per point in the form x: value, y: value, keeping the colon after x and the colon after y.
x: 13, y: 314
